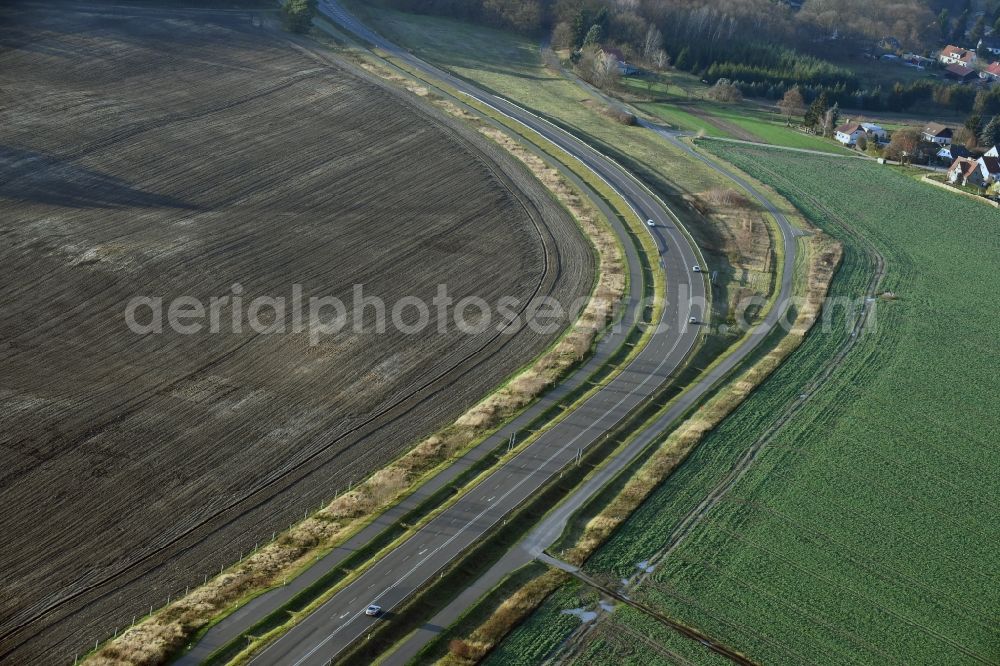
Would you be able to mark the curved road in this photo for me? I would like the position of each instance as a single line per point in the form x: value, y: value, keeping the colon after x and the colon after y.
x: 328, y: 631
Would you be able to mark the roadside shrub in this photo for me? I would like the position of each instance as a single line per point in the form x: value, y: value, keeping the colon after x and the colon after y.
x: 622, y: 117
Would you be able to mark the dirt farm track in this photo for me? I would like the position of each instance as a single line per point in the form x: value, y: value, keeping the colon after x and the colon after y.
x: 167, y: 153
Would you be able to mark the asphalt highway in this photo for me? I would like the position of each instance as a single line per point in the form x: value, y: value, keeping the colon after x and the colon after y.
x: 327, y: 632
x: 340, y: 621
x: 261, y: 606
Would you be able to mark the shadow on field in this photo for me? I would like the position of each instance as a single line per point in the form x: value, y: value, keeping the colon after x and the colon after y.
x: 27, y: 175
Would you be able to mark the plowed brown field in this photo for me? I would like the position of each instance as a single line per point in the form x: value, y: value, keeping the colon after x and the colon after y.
x: 169, y: 153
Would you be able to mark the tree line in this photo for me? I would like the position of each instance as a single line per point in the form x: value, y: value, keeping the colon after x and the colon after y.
x: 751, y: 41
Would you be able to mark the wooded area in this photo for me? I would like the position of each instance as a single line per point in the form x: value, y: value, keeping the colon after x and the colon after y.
x: 763, y: 46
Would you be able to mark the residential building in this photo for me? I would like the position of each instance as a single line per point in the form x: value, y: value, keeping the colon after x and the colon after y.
x: 849, y: 133
x: 624, y: 68
x: 937, y: 133
x: 979, y: 173
x: 993, y: 152
x: 988, y: 170
x: 992, y: 73
x: 962, y: 170
x: 954, y: 55
x: 948, y: 154
x: 960, y: 73
x: 876, y: 132
x: 990, y: 43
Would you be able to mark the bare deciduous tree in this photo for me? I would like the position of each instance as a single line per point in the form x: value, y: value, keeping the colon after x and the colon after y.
x: 606, y: 72
x: 792, y: 104
x: 661, y: 60
x: 652, y: 43
x: 903, y: 145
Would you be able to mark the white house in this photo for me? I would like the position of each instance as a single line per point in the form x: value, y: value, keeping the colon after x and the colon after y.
x: 937, y: 133
x: 949, y: 154
x: 849, y: 133
x: 876, y: 132
x: 982, y: 172
x: 993, y: 152
x: 988, y: 170
x: 955, y: 55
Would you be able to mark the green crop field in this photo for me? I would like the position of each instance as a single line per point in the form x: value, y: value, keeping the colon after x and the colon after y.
x: 623, y: 635
x: 865, y: 531
x: 545, y: 630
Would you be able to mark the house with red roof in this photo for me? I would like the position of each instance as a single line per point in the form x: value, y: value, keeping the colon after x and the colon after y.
x: 981, y: 173
x: 961, y: 170
x: 960, y: 73
x: 988, y: 170
x: 955, y: 55
x: 992, y: 73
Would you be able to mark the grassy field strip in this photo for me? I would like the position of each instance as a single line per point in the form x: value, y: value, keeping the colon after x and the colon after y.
x: 743, y: 120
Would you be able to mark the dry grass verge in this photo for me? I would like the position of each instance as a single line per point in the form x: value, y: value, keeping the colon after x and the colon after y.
x: 824, y: 257
x: 472, y: 649
x: 163, y: 634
